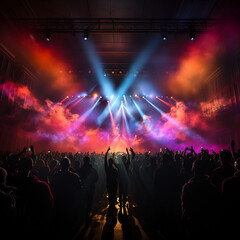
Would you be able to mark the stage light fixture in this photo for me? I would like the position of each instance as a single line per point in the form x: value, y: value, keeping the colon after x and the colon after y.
x: 48, y: 37
x: 192, y: 35
x: 95, y: 95
x: 135, y: 95
x: 164, y: 35
x: 85, y: 34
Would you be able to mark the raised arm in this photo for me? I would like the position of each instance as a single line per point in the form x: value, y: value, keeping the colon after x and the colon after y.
x: 128, y: 156
x: 133, y: 154
x: 105, y: 160
x: 193, y: 151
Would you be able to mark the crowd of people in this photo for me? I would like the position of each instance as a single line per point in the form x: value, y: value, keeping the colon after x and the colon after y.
x: 172, y: 193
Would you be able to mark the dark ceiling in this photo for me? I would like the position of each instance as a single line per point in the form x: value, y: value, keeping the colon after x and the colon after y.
x: 117, y: 50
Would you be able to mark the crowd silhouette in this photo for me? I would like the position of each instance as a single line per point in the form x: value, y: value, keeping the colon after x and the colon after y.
x: 172, y: 194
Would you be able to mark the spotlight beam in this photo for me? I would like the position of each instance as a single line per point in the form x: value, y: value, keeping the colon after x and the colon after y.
x: 111, y: 116
x: 139, y: 109
x: 105, y: 112
x: 86, y: 114
x: 129, y: 114
x: 137, y: 66
x: 125, y: 121
x: 128, y: 81
x: 78, y: 101
x: 178, y: 125
x: 104, y: 82
x: 166, y: 103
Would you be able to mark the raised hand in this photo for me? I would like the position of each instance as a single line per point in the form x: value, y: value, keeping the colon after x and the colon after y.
x: 108, y: 149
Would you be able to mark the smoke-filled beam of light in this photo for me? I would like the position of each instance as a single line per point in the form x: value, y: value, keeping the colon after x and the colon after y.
x: 125, y: 121
x: 115, y: 139
x: 118, y: 113
x: 111, y: 116
x: 74, y: 104
x: 125, y: 100
x: 139, y: 109
x: 180, y: 126
x: 123, y: 124
x: 137, y: 66
x: 64, y: 99
x: 105, y: 83
x: 129, y: 114
x: 105, y: 112
x: 85, y: 115
x: 166, y: 103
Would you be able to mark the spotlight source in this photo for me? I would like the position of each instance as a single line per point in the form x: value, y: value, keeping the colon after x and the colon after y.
x: 85, y: 34
x: 95, y: 95
x: 192, y: 35
x: 48, y: 37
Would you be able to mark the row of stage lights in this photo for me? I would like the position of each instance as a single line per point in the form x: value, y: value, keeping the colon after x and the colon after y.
x: 86, y: 32
x: 95, y: 95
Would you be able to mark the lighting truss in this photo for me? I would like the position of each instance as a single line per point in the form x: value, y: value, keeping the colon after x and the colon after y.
x: 122, y: 25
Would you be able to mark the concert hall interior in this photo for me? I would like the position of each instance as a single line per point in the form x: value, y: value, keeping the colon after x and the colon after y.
x: 128, y: 102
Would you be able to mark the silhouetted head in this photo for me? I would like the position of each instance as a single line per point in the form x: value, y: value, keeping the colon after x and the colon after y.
x: 25, y: 165
x: 86, y: 160
x: 3, y: 176
x: 110, y: 161
x: 199, y: 168
x: 225, y: 156
x: 65, y: 164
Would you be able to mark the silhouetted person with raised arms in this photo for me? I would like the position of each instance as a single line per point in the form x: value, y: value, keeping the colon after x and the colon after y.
x: 200, y: 205
x: 89, y: 177
x: 123, y: 168
x: 111, y: 180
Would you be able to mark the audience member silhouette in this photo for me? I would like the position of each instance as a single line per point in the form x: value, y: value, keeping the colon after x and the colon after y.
x: 200, y: 204
x: 225, y: 170
x: 231, y: 197
x: 66, y: 187
x: 165, y: 193
x: 123, y: 168
x: 111, y: 180
x: 7, y: 205
x: 89, y: 177
x: 34, y: 201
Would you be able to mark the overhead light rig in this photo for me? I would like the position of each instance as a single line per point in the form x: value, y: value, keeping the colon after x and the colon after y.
x: 120, y: 25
